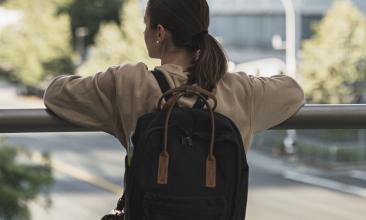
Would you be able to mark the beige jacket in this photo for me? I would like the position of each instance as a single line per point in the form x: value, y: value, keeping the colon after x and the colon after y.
x: 113, y: 100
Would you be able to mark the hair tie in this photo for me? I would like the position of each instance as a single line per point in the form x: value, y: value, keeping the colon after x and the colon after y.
x: 194, y: 42
x: 204, y: 32
x: 201, y: 34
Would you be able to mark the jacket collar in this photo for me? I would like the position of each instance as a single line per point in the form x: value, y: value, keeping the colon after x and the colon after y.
x: 173, y: 69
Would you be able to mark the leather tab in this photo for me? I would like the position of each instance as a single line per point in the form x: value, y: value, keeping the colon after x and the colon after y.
x: 163, y: 168
x: 211, y: 172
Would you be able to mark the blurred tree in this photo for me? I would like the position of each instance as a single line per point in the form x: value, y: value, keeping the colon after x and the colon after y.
x: 334, y: 61
x: 90, y: 14
x: 38, y: 45
x: 21, y: 180
x: 119, y: 44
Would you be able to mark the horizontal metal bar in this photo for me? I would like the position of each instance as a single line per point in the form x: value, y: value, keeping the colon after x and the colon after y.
x: 34, y: 120
x: 327, y: 117
x: 308, y: 117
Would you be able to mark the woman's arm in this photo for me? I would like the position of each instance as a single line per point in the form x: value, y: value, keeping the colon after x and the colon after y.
x: 85, y: 101
x: 274, y: 100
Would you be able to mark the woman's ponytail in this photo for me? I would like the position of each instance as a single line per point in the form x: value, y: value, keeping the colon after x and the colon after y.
x: 210, y: 64
x: 188, y: 21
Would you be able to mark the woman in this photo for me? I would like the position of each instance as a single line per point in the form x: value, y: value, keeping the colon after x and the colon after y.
x: 177, y: 34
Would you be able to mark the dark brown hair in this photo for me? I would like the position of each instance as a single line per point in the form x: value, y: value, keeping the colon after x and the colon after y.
x: 188, y: 21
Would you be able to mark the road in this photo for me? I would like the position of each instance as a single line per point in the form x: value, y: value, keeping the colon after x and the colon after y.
x: 89, y: 167
x: 81, y: 162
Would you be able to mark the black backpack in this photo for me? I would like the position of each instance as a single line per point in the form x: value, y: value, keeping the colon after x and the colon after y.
x: 187, y: 163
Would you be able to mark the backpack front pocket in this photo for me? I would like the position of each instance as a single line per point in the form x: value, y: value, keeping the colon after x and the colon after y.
x: 163, y: 207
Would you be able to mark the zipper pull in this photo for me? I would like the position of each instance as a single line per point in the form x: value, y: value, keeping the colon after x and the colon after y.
x: 187, y: 141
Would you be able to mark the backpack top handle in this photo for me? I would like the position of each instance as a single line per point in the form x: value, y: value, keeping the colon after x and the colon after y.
x: 164, y: 155
x: 188, y: 90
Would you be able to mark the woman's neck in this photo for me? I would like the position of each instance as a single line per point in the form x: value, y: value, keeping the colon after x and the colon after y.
x: 179, y: 57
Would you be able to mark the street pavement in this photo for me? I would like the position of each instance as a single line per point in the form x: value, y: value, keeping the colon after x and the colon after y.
x: 274, y: 194
x: 88, y: 169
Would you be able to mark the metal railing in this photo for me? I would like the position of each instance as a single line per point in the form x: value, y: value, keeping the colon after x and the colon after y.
x: 308, y: 117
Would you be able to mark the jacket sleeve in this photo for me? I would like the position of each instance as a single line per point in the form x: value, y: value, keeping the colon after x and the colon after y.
x: 274, y: 100
x: 84, y: 101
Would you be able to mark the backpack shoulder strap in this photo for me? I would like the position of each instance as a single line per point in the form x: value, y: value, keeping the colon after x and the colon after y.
x: 162, y: 81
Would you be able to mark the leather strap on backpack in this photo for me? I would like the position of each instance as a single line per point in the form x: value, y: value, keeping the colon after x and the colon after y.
x: 202, y: 94
x: 164, y: 87
x: 177, y: 93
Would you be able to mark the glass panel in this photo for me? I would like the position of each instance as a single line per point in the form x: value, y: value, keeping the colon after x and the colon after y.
x: 256, y: 31
x: 307, y: 25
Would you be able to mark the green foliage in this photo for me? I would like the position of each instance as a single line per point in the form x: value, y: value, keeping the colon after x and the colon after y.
x: 63, y: 3
x: 334, y: 60
x: 90, y: 14
x: 38, y: 45
x: 21, y: 180
x: 119, y: 44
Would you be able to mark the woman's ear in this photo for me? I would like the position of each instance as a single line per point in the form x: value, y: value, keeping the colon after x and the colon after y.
x: 161, y: 33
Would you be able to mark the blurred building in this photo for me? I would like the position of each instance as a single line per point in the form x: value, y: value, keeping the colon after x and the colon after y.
x: 246, y: 27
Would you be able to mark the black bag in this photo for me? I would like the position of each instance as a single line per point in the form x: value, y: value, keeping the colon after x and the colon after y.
x: 187, y: 163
